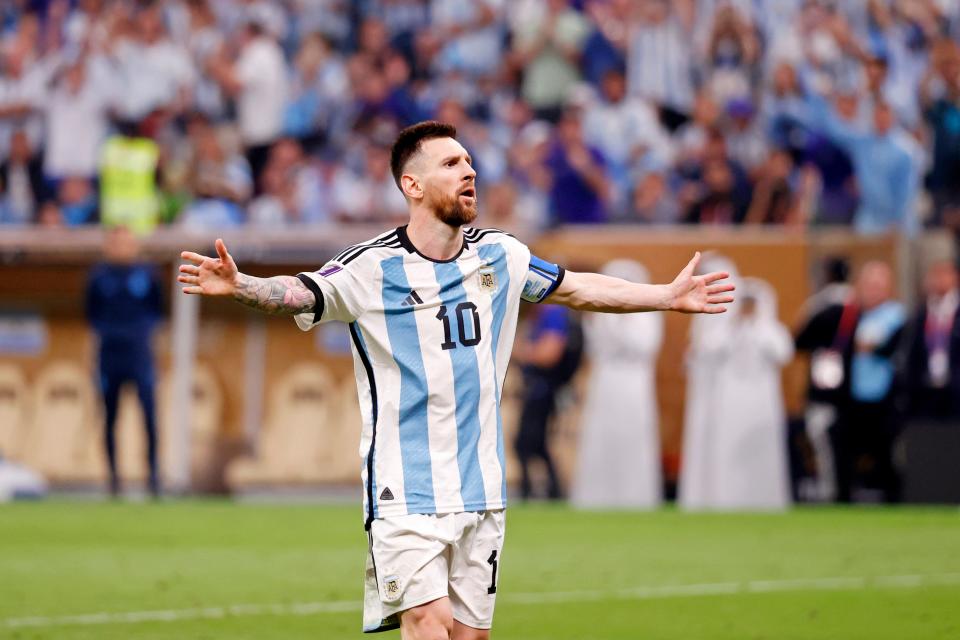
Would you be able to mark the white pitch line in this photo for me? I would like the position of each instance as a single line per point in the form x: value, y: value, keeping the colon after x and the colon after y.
x: 851, y: 583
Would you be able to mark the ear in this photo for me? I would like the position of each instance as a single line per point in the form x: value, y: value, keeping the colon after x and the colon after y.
x: 411, y: 187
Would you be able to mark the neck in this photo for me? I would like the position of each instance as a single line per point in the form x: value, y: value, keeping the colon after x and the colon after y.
x: 433, y: 238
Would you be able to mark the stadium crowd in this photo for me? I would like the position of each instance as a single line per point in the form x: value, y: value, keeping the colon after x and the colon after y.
x: 719, y: 112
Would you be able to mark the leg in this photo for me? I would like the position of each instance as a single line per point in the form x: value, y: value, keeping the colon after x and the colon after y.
x: 532, y: 432
x: 820, y: 417
x: 543, y: 447
x: 110, y: 386
x: 474, y: 573
x: 464, y: 632
x: 430, y: 621
x: 888, y: 429
x: 145, y: 393
x: 526, y: 489
x: 553, y: 488
x: 407, y: 575
x: 843, y: 459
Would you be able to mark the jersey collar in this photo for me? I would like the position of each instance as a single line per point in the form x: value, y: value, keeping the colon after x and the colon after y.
x: 406, y: 244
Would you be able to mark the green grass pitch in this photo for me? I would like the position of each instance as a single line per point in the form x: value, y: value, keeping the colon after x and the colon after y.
x: 194, y: 569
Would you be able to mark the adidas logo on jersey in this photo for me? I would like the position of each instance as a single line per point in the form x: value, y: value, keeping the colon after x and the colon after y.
x: 386, y: 494
x: 411, y: 299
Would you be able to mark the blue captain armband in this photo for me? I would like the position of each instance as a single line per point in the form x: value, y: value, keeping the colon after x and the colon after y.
x: 543, y: 278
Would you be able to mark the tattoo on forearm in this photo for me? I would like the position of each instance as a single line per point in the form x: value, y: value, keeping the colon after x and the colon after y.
x: 281, y: 295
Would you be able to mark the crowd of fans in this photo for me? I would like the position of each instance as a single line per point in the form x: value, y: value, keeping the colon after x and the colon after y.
x: 719, y: 112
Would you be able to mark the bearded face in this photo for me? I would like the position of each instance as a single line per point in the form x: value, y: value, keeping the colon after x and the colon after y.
x: 455, y: 210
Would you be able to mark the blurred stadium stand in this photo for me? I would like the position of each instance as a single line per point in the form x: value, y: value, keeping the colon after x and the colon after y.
x: 600, y: 129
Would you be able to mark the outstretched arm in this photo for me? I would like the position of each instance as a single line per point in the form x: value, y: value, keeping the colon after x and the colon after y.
x: 688, y: 293
x: 281, y: 295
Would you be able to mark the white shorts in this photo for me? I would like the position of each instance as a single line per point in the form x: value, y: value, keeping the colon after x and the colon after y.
x: 416, y: 559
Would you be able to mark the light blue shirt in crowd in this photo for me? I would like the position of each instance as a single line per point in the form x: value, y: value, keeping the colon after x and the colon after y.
x: 871, y: 375
x: 886, y: 170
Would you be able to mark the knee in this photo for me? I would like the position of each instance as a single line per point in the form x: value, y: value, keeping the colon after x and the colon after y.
x: 427, y: 623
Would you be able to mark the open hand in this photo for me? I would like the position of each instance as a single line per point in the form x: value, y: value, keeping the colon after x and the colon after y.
x: 700, y: 294
x: 209, y: 276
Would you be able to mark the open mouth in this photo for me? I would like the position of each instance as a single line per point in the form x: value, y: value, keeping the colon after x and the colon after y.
x: 469, y: 193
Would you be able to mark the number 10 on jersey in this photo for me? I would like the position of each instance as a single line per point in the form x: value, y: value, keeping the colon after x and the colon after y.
x: 465, y: 314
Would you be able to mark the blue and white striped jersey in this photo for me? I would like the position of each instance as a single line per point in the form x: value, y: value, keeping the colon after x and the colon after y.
x: 431, y: 345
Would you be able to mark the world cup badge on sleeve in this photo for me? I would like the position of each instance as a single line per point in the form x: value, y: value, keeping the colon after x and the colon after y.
x: 488, y: 278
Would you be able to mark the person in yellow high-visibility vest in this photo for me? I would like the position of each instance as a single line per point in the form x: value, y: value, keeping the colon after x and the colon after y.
x: 128, y: 187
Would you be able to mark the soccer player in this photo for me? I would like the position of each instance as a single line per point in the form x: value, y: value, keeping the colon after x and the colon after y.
x: 432, y: 311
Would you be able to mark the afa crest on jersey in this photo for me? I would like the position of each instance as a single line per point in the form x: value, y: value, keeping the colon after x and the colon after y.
x: 488, y: 278
x: 391, y: 588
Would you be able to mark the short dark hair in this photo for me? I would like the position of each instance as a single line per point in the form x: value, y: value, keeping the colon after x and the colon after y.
x: 409, y: 140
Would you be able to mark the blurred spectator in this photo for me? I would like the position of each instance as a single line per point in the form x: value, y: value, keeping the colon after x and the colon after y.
x: 128, y: 178
x: 603, y: 49
x: 373, y: 41
x: 785, y: 105
x: 653, y: 202
x: 826, y: 333
x: 619, y: 451
x: 702, y: 363
x: 550, y: 355
x: 746, y: 140
x: 319, y: 91
x: 747, y: 407
x: 868, y: 423
x: 22, y: 94
x: 733, y: 54
x: 332, y: 17
x: 692, y: 136
x: 783, y: 195
x: 580, y: 190
x: 205, y: 43
x: 530, y: 173
x: 719, y: 201
x: 382, y: 99
x: 886, y: 168
x: 220, y: 180
x: 123, y: 306
x: 469, y: 35
x: 627, y: 131
x: 548, y: 39
x: 77, y: 201
x: 370, y: 194
x: 21, y: 179
x: 270, y: 15
x: 77, y: 119
x: 258, y: 82
x: 155, y: 72
x: 941, y: 94
x: 660, y: 53
x: 402, y: 18
x: 878, y: 88
x: 932, y: 372
x: 304, y: 182
x: 276, y: 206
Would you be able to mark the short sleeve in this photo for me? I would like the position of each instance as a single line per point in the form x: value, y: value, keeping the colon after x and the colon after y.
x: 340, y: 293
x: 542, y: 279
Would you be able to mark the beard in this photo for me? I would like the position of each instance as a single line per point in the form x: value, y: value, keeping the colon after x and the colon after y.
x: 452, y: 212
